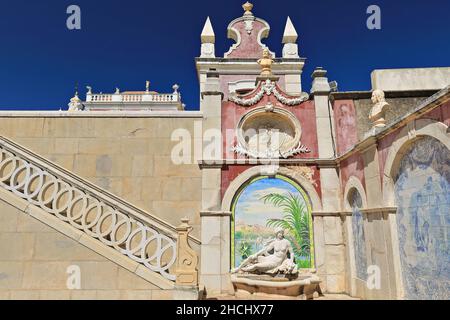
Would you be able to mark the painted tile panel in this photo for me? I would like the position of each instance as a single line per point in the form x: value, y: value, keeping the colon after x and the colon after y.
x: 422, y: 191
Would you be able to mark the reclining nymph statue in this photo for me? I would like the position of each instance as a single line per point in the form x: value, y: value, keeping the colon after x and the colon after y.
x: 281, y: 261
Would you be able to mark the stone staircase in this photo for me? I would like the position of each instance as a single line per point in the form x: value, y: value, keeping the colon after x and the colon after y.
x: 143, y: 244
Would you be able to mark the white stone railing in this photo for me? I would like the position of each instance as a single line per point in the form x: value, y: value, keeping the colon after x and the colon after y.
x: 117, y: 224
x: 99, y: 98
x: 133, y: 98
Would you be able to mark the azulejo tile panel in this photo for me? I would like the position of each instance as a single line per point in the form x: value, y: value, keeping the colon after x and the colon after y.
x: 422, y: 192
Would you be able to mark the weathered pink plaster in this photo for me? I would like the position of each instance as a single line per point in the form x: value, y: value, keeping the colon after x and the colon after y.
x: 345, y: 124
x: 305, y: 112
x: 352, y: 166
x: 249, y: 46
x: 232, y: 113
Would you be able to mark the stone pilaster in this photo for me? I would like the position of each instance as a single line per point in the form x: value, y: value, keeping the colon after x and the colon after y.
x: 378, y: 235
x: 215, y: 250
x: 329, y: 227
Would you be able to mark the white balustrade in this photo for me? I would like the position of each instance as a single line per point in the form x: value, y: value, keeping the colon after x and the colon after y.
x: 133, y: 98
x: 94, y: 213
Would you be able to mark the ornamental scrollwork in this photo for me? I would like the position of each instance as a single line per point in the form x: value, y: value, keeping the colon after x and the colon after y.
x: 270, y: 154
x: 268, y: 87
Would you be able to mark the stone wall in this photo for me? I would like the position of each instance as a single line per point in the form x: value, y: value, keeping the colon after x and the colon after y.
x: 405, y: 226
x: 330, y: 254
x: 128, y: 156
x: 398, y: 107
x: 34, y: 262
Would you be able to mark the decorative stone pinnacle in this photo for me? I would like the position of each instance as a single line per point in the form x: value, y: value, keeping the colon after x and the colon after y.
x: 248, y: 7
x: 208, y: 35
x: 319, y: 72
x: 147, y: 86
x: 290, y: 34
x: 185, y: 220
x: 184, y: 225
x: 75, y: 103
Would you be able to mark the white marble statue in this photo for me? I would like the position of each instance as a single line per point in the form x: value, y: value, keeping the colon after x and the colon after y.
x: 266, y: 262
x: 75, y: 103
x: 378, y: 111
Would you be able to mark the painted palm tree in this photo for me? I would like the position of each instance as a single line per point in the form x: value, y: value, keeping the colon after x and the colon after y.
x: 295, y: 221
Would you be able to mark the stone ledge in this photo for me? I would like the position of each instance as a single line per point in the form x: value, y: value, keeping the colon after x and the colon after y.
x: 13, y: 200
x: 216, y: 214
x: 307, y: 287
x: 101, y: 114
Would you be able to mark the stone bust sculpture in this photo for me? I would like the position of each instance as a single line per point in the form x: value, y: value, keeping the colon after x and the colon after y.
x: 266, y: 64
x: 378, y: 111
x: 280, y: 261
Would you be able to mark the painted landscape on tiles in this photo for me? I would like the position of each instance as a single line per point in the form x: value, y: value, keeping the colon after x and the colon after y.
x: 264, y: 205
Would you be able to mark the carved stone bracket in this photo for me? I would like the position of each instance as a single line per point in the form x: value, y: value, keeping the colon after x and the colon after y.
x: 187, y: 260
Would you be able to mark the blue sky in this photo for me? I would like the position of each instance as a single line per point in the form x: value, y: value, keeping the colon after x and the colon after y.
x: 125, y: 43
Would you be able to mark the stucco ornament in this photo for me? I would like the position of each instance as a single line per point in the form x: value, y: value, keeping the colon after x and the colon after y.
x: 305, y: 172
x: 249, y: 18
x: 269, y: 132
x: 75, y: 103
x: 275, y: 258
x: 378, y: 111
x: 268, y: 87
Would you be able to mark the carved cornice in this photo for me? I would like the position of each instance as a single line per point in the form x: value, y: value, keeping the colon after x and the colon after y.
x: 387, y: 210
x: 216, y: 213
x: 212, y: 93
x: 328, y: 163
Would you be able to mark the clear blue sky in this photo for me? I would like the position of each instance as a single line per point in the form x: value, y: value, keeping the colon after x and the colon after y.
x: 123, y: 43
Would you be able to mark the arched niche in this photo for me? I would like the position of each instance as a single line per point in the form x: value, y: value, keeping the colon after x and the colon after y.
x: 354, y: 183
x: 416, y: 181
x: 358, y: 245
x: 261, y: 206
x: 422, y: 192
x: 258, y: 172
x: 409, y: 134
